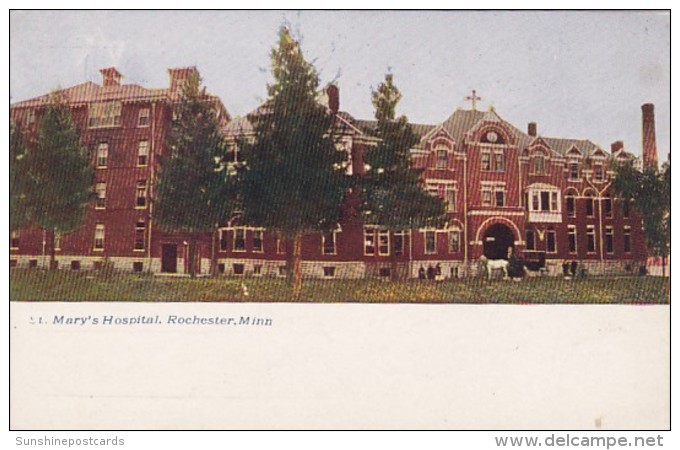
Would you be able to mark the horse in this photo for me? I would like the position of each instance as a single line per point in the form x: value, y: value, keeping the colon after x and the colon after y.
x: 495, y: 264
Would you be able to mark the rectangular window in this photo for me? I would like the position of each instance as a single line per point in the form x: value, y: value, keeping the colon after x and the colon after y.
x: 143, y: 117
x: 224, y: 244
x: 398, y: 243
x: 545, y: 201
x: 590, y: 206
x: 573, y: 171
x: 329, y: 271
x: 626, y: 239
x: 104, y: 115
x: 609, y: 239
x: 599, y: 172
x: 14, y: 240
x: 430, y: 242
x: 257, y: 269
x: 258, y: 241
x: 486, y: 196
x: 554, y: 205
x: 626, y: 209
x: 590, y: 235
x: 328, y: 243
x: 442, y: 159
x: 500, y: 198
x: 384, y: 242
x: 500, y: 162
x: 369, y: 241
x: 280, y: 246
x: 239, y: 268
x: 531, y: 240
x: 608, y: 212
x: 550, y: 242
x: 571, y: 234
x: 571, y: 207
x: 100, y: 202
x: 99, y: 237
x: 57, y: 240
x: 239, y: 243
x: 454, y: 241
x: 102, y: 154
x: 143, y: 153
x: 30, y: 117
x: 486, y: 161
x: 536, y: 201
x: 451, y: 200
x: 137, y: 266
x: 140, y: 233
x: 141, y: 194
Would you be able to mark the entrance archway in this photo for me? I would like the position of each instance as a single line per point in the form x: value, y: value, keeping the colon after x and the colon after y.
x: 497, y: 239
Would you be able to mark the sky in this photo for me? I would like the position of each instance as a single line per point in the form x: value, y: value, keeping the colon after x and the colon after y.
x: 577, y: 74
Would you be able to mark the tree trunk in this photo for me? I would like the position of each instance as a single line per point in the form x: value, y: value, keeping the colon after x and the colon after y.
x: 192, y: 255
x: 53, y: 251
x: 296, y: 261
x: 213, y: 254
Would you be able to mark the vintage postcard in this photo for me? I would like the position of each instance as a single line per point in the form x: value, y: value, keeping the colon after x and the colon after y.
x: 339, y: 220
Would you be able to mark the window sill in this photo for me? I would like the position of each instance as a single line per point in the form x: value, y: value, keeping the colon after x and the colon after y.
x: 139, y: 250
x: 97, y: 249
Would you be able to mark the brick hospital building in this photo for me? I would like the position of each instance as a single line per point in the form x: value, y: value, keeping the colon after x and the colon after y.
x: 504, y: 186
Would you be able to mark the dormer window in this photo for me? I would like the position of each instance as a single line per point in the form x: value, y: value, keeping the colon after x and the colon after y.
x: 442, y: 158
x: 143, y: 120
x: 538, y: 165
x: 574, y: 170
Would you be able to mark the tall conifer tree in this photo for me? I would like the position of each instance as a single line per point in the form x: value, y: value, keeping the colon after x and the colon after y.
x: 392, y: 190
x: 195, y: 190
x: 293, y: 176
x: 59, y: 175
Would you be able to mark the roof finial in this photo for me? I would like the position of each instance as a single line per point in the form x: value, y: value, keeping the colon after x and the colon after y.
x: 473, y: 98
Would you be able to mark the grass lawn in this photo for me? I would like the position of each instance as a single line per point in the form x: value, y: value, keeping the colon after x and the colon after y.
x: 39, y: 285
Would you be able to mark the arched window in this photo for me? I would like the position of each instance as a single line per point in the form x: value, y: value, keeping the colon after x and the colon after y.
x: 590, y: 204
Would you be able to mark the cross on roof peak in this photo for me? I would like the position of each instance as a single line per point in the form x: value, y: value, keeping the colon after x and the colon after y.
x: 473, y: 98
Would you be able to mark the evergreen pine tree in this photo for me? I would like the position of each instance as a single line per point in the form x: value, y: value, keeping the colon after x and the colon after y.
x: 59, y: 175
x: 293, y: 176
x: 392, y: 189
x: 195, y: 190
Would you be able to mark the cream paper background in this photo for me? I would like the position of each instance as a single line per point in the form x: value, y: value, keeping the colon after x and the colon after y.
x: 344, y: 366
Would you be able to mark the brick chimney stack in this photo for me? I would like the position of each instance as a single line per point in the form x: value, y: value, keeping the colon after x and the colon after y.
x: 532, y: 129
x: 178, y: 77
x: 616, y: 146
x: 110, y: 76
x: 650, y: 156
x: 333, y: 94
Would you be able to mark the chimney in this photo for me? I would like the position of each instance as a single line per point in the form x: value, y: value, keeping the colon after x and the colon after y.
x: 333, y: 98
x: 532, y: 129
x: 616, y: 146
x: 110, y: 76
x: 179, y: 75
x: 650, y: 158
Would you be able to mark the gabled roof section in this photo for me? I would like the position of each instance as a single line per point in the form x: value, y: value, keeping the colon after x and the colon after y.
x: 563, y: 146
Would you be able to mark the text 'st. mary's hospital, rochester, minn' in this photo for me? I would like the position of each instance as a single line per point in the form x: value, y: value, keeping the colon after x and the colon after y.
x: 505, y: 186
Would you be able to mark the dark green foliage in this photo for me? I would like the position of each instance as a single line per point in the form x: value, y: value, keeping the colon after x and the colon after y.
x: 17, y: 178
x: 392, y: 190
x: 293, y: 175
x: 195, y: 191
x: 59, y: 175
x: 650, y: 192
